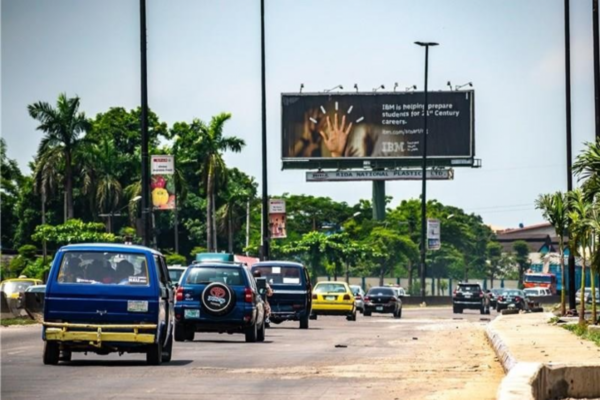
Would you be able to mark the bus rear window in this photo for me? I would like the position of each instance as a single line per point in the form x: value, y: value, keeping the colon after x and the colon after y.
x: 106, y: 268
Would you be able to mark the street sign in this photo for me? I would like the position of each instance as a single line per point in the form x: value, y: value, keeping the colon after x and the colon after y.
x: 433, y: 234
x: 384, y: 175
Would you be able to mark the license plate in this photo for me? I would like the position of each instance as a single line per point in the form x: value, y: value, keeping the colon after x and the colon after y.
x: 192, y: 313
x: 379, y: 308
x: 467, y: 294
x: 137, y: 306
x: 332, y: 298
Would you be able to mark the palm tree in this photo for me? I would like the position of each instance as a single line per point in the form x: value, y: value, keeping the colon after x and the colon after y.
x: 62, y: 127
x: 587, y: 166
x: 555, y: 209
x: 579, y: 216
x: 101, y: 173
x: 206, y: 143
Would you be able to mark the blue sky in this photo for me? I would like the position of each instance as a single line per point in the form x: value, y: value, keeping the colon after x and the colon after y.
x: 204, y: 58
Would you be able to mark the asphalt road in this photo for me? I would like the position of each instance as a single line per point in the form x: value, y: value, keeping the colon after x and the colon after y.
x: 428, y: 354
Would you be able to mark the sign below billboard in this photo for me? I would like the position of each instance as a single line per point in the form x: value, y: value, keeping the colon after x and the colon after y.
x: 433, y: 234
x: 343, y: 128
x: 384, y: 175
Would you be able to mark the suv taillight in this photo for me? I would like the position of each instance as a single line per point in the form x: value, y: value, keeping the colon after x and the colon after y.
x: 248, y: 295
x: 480, y: 294
x: 179, y: 294
x: 393, y: 299
x: 367, y: 298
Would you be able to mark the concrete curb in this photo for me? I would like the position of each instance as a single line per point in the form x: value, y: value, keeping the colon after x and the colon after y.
x: 517, y: 384
x: 533, y: 380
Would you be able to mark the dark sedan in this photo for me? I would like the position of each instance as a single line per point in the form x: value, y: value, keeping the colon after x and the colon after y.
x: 383, y: 300
x: 512, y: 298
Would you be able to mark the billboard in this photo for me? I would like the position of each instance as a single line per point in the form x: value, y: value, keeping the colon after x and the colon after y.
x: 329, y: 129
x: 162, y: 184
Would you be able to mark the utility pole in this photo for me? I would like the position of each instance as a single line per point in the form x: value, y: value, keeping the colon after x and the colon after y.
x: 571, y: 269
x: 595, y: 29
x: 265, y: 189
x: 424, y: 169
x: 146, y: 222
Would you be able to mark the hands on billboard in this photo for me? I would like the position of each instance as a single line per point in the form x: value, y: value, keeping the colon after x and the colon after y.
x: 335, y: 136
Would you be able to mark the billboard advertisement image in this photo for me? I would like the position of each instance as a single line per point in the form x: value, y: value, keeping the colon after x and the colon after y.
x: 373, y: 126
x: 277, y: 219
x: 162, y: 183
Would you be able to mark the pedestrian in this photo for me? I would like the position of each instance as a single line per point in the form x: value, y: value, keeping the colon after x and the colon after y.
x: 269, y: 293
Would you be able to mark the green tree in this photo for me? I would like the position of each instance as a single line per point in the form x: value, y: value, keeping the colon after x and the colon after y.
x: 206, y: 143
x: 581, y: 235
x: 521, y: 250
x: 11, y: 181
x: 388, y: 250
x: 587, y: 166
x: 73, y: 231
x: 62, y: 127
x: 555, y: 209
x: 494, y: 253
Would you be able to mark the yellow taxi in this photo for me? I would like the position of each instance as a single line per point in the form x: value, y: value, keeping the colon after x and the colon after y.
x: 333, y: 298
x: 14, y: 287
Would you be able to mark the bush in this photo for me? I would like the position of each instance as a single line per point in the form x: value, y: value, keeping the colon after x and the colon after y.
x: 17, y: 265
x: 28, y: 252
x: 37, y: 268
x: 176, y: 259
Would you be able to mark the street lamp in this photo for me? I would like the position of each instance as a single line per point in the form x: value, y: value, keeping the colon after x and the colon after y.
x: 333, y: 88
x: 378, y: 87
x: 458, y: 87
x: 427, y: 45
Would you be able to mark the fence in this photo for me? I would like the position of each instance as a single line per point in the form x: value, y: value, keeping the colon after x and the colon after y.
x: 431, y: 287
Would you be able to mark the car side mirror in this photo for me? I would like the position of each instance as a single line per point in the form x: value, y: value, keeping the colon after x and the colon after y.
x: 45, y: 276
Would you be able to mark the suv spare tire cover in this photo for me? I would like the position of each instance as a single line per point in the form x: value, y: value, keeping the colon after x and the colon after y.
x: 218, y: 298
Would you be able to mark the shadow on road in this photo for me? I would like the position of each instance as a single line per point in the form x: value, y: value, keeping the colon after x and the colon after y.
x: 121, y: 363
x: 228, y: 341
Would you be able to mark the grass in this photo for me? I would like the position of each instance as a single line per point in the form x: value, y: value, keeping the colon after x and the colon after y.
x: 17, y: 321
x: 582, y: 332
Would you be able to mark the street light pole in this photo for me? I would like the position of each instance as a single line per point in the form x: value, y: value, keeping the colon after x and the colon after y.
x: 265, y: 191
x: 424, y: 169
x: 144, y: 127
x: 571, y: 264
x: 596, y: 41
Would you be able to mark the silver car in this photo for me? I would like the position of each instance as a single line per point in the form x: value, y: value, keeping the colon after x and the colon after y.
x: 359, y: 297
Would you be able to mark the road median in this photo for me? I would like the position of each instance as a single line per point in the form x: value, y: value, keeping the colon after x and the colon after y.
x: 542, y: 360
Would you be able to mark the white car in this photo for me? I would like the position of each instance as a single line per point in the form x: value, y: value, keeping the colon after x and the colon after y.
x: 175, y: 272
x: 537, y: 292
x: 587, y: 295
x: 359, y: 296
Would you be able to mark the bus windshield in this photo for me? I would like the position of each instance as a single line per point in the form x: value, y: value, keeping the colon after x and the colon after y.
x: 538, y: 278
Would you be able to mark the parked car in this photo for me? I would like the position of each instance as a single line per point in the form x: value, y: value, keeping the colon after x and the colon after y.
x: 175, y: 272
x: 219, y: 297
x: 513, y: 298
x: 383, y: 300
x: 333, y: 298
x: 359, y: 298
x: 537, y: 292
x: 30, y: 289
x: 292, y: 291
x: 12, y: 288
x: 587, y: 296
x: 493, y: 296
x: 104, y: 298
x: 470, y: 296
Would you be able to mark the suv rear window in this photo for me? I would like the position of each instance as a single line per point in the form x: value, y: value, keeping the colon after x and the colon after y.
x: 108, y: 268
x: 469, y: 288
x: 206, y: 275
x: 330, y: 288
x: 280, y: 275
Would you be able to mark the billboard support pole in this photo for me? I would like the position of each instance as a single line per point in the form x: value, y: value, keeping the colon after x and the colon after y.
x: 424, y: 168
x: 144, y: 128
x: 572, y: 304
x: 265, y: 192
x: 378, y: 200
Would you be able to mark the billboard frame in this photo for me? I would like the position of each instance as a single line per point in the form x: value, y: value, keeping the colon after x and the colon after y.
x: 380, y: 162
